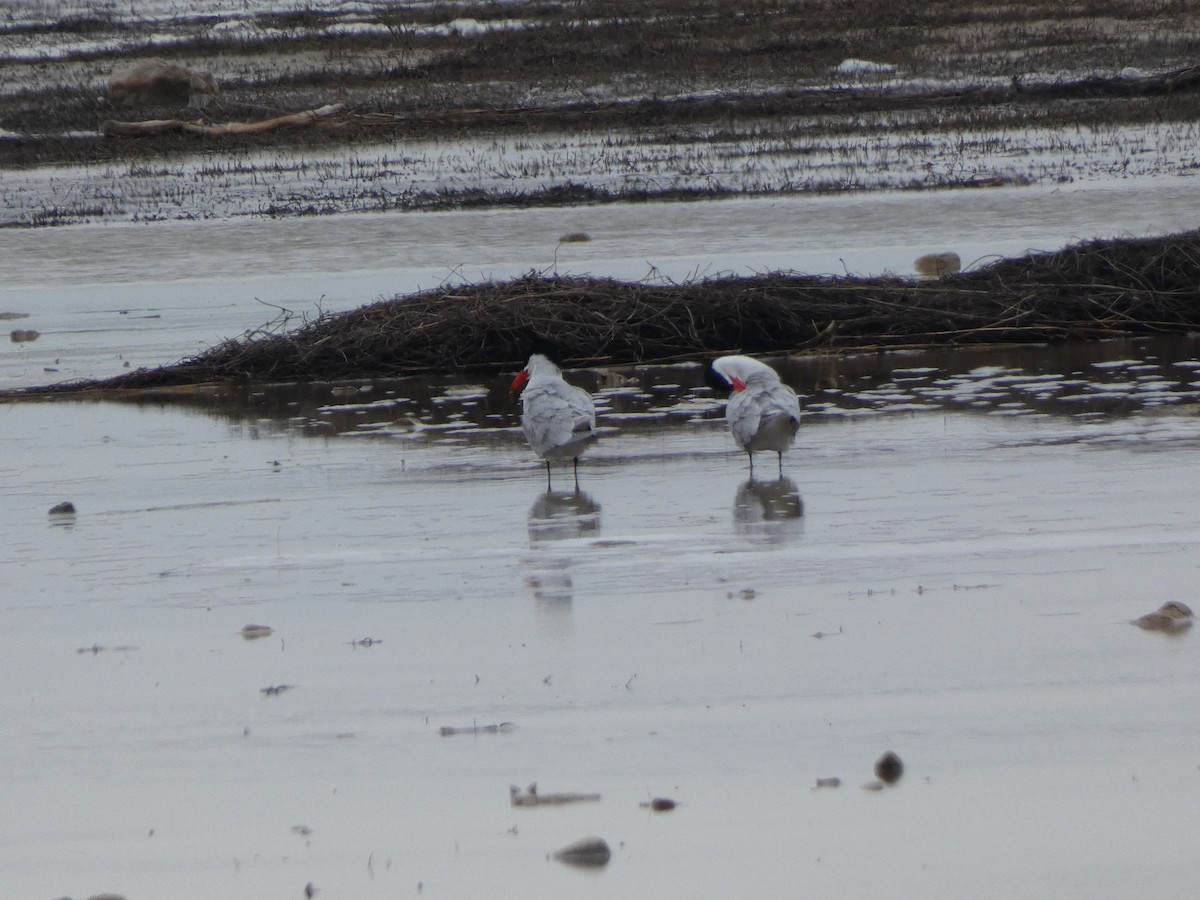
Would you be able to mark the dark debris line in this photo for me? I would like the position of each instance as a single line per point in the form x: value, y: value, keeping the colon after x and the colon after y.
x: 1087, y: 291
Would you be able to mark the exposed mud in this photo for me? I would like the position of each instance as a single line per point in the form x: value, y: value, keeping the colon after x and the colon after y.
x: 769, y: 97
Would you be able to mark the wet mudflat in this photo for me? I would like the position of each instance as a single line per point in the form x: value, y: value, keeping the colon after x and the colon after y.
x: 519, y: 104
x: 947, y: 569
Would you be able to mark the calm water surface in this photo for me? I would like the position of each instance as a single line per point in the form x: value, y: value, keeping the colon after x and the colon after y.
x: 946, y: 569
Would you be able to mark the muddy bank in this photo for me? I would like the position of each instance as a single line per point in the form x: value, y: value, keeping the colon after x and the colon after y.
x: 1088, y: 291
x: 736, y: 99
x: 423, y: 61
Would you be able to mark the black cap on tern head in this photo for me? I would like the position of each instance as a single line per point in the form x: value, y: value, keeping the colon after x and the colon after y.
x: 715, y: 379
x: 529, y: 342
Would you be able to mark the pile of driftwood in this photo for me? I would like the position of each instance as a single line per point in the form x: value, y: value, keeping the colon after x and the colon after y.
x: 1085, y: 291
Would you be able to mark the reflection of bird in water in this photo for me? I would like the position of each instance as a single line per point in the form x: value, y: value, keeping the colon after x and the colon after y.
x: 551, y: 585
x: 773, y: 509
x: 548, y: 578
x: 559, y: 419
x: 1172, y: 616
x: 763, y: 413
x: 555, y: 516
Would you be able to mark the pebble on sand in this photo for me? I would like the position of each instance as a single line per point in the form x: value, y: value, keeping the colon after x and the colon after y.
x: 1171, y: 616
x: 938, y: 265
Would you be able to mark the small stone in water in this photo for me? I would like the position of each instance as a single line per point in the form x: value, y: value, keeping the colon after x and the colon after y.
x: 588, y: 851
x: 659, y: 804
x: 888, y: 768
x: 938, y: 265
x: 254, y: 632
x: 66, y: 508
x: 1171, y: 616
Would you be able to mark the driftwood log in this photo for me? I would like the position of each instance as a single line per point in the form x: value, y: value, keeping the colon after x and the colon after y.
x: 531, y: 797
x: 320, y: 116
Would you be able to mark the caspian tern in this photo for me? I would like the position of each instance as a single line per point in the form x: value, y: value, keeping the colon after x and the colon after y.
x: 559, y: 419
x: 763, y: 413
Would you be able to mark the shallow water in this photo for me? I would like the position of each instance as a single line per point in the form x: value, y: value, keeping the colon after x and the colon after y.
x: 951, y: 585
x: 946, y: 569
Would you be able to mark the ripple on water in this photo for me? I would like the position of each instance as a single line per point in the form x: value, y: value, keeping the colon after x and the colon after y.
x: 1097, y: 379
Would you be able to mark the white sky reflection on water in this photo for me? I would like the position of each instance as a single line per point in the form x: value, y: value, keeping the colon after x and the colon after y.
x: 973, y: 575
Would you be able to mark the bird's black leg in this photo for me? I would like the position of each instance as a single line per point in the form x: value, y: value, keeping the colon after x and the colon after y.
x: 780, y: 463
x: 547, y: 475
x: 575, y: 462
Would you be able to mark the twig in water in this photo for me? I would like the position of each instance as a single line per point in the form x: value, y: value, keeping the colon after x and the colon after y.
x: 502, y: 728
x: 531, y: 797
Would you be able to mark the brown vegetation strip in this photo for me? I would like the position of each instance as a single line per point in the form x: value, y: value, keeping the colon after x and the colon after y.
x: 1072, y: 102
x: 406, y: 71
x: 647, y: 111
x: 1085, y: 291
